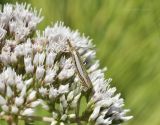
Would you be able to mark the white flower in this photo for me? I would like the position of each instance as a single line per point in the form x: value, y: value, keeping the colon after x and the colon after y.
x: 31, y: 96
x: 75, y: 100
x: 63, y: 101
x: 54, y: 115
x: 14, y: 109
x: 43, y: 91
x: 67, y: 70
x: 35, y: 103
x: 94, y: 66
x: 72, y: 115
x: 7, y: 14
x: 89, y: 54
x: 39, y: 59
x: 28, y: 48
x: 2, y: 100
x: 63, y: 89
x: 18, y: 79
x: 126, y: 118
x: 19, y: 50
x: 100, y: 120
x: 50, y: 74
x: 5, y: 108
x: 19, y: 82
x: 104, y: 103
x: 37, y: 48
x: 66, y: 73
x: 53, y: 93
x: 5, y: 57
x: 2, y: 85
x: 50, y: 59
x: 20, y: 86
x: 19, y: 101
x: 36, y: 59
x: 23, y: 92
x: 64, y: 117
x: 2, y: 33
x: 28, y: 64
x: 9, y: 76
x: 21, y: 32
x: 29, y: 68
x: 95, y: 113
x: 70, y: 96
x: 28, y: 112
x: 13, y: 58
x: 12, y: 26
x: 9, y: 92
x: 27, y: 61
x: 40, y: 72
x: 54, y: 122
x: 62, y: 123
x: 28, y: 82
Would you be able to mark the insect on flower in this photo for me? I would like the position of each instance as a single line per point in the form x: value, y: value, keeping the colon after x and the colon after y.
x: 80, y: 68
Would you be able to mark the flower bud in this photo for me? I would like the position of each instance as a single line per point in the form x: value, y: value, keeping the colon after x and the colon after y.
x: 9, y: 92
x: 28, y: 82
x: 35, y: 103
x: 19, y: 101
x: 40, y: 72
x: 28, y: 112
x: 54, y: 122
x: 5, y: 108
x: 43, y: 91
x: 95, y: 113
x: 63, y: 89
x: 72, y: 116
x: 70, y: 96
x: 31, y: 96
x: 50, y: 59
x: 14, y: 109
x: 53, y: 93
x: 64, y: 117
x: 2, y: 100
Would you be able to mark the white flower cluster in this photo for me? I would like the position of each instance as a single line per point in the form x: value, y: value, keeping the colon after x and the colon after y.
x: 40, y: 70
x: 18, y: 21
x: 15, y: 96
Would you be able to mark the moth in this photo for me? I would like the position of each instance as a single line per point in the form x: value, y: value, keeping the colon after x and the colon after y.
x: 80, y: 68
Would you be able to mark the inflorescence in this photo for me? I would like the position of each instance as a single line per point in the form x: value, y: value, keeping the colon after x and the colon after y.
x: 37, y: 70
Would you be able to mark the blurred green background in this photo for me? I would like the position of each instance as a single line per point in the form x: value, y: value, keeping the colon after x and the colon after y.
x: 127, y: 36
